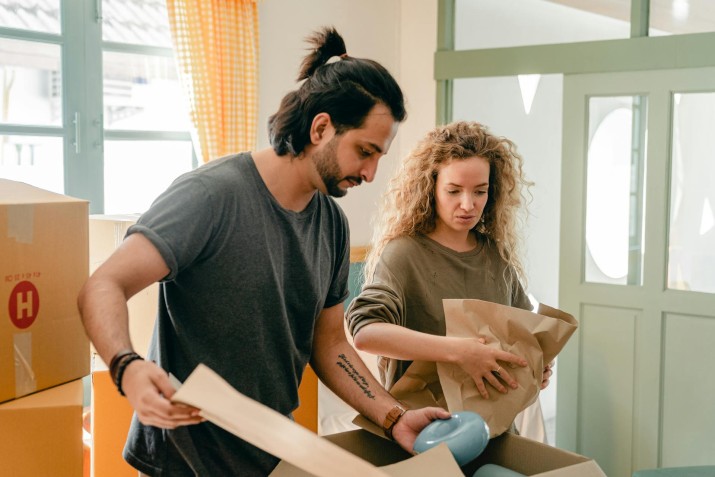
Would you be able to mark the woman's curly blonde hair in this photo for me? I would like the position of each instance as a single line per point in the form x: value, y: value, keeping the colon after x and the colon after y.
x: 408, y: 205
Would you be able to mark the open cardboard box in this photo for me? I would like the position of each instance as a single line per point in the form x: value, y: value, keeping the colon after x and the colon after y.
x: 359, y: 453
x: 514, y: 452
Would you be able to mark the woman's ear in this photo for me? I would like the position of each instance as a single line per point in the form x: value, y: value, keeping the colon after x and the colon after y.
x: 319, y: 128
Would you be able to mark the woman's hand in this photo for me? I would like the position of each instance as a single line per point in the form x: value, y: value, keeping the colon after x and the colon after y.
x: 548, y: 372
x: 483, y: 364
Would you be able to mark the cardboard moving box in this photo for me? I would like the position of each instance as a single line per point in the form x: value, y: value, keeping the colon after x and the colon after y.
x: 514, y: 452
x: 44, y: 260
x: 41, y: 434
x: 508, y: 450
x: 111, y: 416
x: 106, y: 233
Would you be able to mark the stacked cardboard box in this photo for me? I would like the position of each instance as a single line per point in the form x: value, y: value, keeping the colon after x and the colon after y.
x: 111, y: 416
x: 41, y: 434
x: 106, y: 233
x: 44, y: 263
x: 111, y: 413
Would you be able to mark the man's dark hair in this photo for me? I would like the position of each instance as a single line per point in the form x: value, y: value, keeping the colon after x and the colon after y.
x: 346, y: 89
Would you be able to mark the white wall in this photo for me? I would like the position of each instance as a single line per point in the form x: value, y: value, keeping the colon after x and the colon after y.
x: 400, y: 34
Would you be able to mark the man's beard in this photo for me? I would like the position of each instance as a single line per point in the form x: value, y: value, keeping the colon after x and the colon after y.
x: 326, y: 163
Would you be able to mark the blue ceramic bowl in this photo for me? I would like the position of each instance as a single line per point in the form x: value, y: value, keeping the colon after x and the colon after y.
x: 465, y: 433
x: 493, y: 470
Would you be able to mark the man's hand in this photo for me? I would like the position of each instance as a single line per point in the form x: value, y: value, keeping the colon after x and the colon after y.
x: 148, y: 390
x: 412, y: 422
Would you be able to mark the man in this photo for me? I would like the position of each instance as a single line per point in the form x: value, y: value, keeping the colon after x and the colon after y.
x: 253, y: 259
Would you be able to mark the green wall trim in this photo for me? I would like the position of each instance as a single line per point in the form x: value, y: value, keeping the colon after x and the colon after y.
x: 633, y: 54
x: 640, y: 18
x: 445, y: 42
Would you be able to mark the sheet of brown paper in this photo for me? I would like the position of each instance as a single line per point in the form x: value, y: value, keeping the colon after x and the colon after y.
x: 420, y: 386
x: 536, y: 337
x: 267, y: 429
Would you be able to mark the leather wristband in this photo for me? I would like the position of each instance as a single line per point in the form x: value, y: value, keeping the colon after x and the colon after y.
x: 391, y: 419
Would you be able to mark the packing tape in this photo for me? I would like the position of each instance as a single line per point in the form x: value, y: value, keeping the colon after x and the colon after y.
x: 21, y: 222
x: 25, y: 379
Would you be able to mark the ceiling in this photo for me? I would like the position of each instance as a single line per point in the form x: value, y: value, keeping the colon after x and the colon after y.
x: 666, y: 16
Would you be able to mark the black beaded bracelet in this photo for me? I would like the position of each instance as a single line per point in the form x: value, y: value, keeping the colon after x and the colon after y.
x: 114, y: 363
x: 122, y: 366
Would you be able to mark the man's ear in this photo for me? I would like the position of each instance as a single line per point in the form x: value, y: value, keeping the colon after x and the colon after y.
x: 320, y: 126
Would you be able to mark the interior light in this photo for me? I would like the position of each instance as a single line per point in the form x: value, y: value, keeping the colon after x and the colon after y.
x: 534, y: 303
x: 681, y: 9
x: 528, y: 85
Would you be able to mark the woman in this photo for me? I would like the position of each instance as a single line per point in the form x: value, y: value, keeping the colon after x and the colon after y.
x: 447, y: 229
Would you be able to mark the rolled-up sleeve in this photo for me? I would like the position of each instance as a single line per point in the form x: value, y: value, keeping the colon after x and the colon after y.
x: 381, y: 301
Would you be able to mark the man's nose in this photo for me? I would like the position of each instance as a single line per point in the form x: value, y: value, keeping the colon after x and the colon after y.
x: 369, y: 170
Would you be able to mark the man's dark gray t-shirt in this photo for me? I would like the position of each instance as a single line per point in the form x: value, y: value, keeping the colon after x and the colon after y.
x: 247, y: 281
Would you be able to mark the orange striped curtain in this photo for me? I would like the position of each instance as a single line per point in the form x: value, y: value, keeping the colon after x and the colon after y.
x: 216, y: 45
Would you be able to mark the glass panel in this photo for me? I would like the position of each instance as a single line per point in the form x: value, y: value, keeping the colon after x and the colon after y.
x: 136, y: 172
x: 37, y: 15
x: 528, y: 112
x: 142, y: 92
x: 616, y: 190
x: 670, y: 17
x: 691, y: 251
x: 142, y: 22
x: 30, y: 83
x: 36, y: 160
x: 501, y: 23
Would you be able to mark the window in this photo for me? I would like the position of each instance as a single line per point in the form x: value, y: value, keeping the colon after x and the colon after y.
x: 90, y: 102
x: 691, y: 242
x: 616, y: 187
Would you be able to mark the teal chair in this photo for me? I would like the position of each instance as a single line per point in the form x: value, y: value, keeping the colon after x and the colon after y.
x: 698, y: 471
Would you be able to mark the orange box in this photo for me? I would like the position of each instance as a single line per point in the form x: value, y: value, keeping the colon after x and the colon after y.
x: 307, y: 413
x: 44, y: 259
x: 111, y: 416
x: 41, y: 434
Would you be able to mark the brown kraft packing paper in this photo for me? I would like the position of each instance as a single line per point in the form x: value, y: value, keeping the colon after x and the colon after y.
x: 537, y: 337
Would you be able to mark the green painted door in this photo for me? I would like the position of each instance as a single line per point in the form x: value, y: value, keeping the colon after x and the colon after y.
x: 636, y: 385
